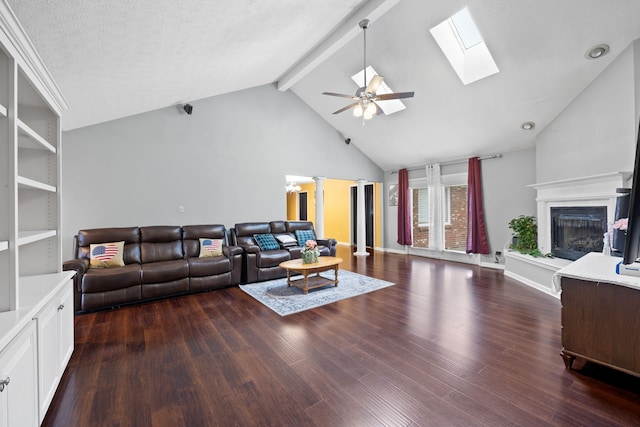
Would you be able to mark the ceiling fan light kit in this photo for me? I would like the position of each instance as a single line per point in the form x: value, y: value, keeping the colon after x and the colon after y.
x: 365, y: 98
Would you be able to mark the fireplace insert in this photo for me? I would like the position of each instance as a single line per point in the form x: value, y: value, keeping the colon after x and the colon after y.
x: 576, y: 231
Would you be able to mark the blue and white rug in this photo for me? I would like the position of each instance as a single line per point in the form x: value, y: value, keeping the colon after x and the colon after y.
x: 286, y: 300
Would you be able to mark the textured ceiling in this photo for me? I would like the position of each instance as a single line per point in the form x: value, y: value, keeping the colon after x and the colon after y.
x: 115, y: 59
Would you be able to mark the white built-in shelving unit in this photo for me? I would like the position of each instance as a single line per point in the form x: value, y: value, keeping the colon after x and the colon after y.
x: 36, y: 296
x: 30, y: 108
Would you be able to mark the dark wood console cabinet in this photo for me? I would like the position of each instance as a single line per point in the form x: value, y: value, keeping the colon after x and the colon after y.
x: 601, y: 323
x: 600, y: 317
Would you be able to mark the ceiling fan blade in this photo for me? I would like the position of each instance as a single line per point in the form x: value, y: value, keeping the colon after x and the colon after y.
x: 378, y: 109
x: 374, y: 84
x: 346, y: 108
x: 399, y: 95
x: 339, y: 94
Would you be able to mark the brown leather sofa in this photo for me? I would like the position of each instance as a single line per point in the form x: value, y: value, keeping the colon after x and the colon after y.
x: 259, y: 265
x: 160, y: 261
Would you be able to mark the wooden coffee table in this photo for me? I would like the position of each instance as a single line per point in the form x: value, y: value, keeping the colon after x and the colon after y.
x: 324, y: 263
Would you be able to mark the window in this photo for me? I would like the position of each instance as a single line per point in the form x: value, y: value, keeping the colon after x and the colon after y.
x: 454, y: 211
x: 462, y: 44
x: 455, y: 230
x: 423, y: 206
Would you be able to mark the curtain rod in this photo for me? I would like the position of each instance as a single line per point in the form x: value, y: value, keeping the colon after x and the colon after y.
x: 454, y: 162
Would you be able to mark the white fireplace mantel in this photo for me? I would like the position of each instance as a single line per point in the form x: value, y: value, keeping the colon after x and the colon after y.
x: 595, y: 190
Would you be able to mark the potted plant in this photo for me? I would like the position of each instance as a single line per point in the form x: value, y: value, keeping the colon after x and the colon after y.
x: 525, y: 236
x: 310, y: 252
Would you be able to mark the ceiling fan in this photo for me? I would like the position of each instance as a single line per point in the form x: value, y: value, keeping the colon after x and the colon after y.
x: 365, y: 98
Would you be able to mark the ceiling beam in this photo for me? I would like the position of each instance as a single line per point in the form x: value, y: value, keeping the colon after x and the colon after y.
x: 346, y: 32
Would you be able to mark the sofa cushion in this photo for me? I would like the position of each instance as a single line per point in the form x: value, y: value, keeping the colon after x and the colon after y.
x: 268, y: 259
x: 210, y: 266
x: 304, y: 235
x: 286, y: 240
x: 164, y: 271
x: 243, y: 232
x: 130, y: 236
x: 160, y: 243
x: 210, y: 247
x: 108, y: 279
x: 106, y: 255
x: 266, y: 242
x: 191, y: 235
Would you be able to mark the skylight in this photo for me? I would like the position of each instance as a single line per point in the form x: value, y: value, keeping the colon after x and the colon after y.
x: 388, y: 107
x: 462, y: 44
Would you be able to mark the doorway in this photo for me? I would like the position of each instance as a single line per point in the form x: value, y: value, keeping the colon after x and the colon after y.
x: 369, y: 214
x: 302, y: 206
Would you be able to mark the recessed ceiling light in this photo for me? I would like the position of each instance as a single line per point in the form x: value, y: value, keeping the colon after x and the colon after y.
x: 528, y: 125
x: 597, y: 51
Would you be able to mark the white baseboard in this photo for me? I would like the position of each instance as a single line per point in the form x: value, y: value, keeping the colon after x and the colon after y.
x: 531, y: 283
x: 493, y: 265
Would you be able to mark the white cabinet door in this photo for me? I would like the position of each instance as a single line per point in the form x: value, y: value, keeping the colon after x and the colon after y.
x: 18, y: 373
x: 48, y: 343
x: 55, y: 344
x: 66, y: 326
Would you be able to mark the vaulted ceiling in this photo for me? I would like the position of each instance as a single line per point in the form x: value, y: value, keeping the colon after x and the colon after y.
x: 115, y: 59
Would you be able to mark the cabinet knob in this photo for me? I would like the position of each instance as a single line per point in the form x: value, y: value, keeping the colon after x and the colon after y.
x: 4, y: 383
x: 60, y: 307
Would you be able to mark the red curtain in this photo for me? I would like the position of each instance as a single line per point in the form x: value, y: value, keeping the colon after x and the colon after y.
x: 404, y: 212
x: 477, y: 242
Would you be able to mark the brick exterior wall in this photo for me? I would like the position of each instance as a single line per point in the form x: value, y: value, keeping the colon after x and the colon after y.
x: 455, y: 234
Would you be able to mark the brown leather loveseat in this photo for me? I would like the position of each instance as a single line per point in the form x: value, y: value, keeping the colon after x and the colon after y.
x: 259, y: 264
x: 158, y: 261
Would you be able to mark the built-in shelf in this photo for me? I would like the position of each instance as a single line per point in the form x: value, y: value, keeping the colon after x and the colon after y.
x: 34, y: 140
x: 28, y: 183
x: 3, y: 111
x: 31, y: 236
x: 4, y: 245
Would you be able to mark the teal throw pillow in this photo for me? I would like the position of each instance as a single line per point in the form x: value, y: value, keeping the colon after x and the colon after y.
x: 304, y: 235
x: 266, y: 242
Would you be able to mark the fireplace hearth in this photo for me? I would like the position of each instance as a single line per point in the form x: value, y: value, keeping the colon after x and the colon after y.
x: 576, y: 231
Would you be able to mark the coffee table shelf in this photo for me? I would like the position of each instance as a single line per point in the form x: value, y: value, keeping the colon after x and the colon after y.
x: 325, y: 263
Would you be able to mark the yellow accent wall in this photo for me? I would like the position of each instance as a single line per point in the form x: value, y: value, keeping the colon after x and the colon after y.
x: 337, y: 200
x: 337, y: 209
x: 292, y: 206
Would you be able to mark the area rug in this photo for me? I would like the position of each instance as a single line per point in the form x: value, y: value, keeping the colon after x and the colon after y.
x: 286, y: 300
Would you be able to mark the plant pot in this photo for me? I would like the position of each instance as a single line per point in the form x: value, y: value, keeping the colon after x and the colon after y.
x: 310, y: 257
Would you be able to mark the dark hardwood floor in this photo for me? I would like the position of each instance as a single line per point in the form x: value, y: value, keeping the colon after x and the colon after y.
x: 450, y: 344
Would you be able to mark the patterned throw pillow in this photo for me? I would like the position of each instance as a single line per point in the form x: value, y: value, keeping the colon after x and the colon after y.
x: 266, y: 242
x: 106, y: 255
x: 210, y: 247
x: 304, y: 235
x: 286, y: 241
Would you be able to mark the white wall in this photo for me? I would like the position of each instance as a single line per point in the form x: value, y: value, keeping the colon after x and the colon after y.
x: 596, y: 133
x: 225, y: 164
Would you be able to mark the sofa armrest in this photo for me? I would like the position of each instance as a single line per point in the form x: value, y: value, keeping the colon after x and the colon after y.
x: 230, y: 251
x: 251, y: 249
x: 329, y: 243
x: 80, y: 266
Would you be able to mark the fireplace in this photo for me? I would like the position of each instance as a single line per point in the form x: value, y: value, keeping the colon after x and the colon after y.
x: 577, y: 230
x: 590, y: 191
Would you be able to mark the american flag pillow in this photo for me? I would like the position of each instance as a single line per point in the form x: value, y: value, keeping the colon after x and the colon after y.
x: 210, y: 247
x: 106, y: 255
